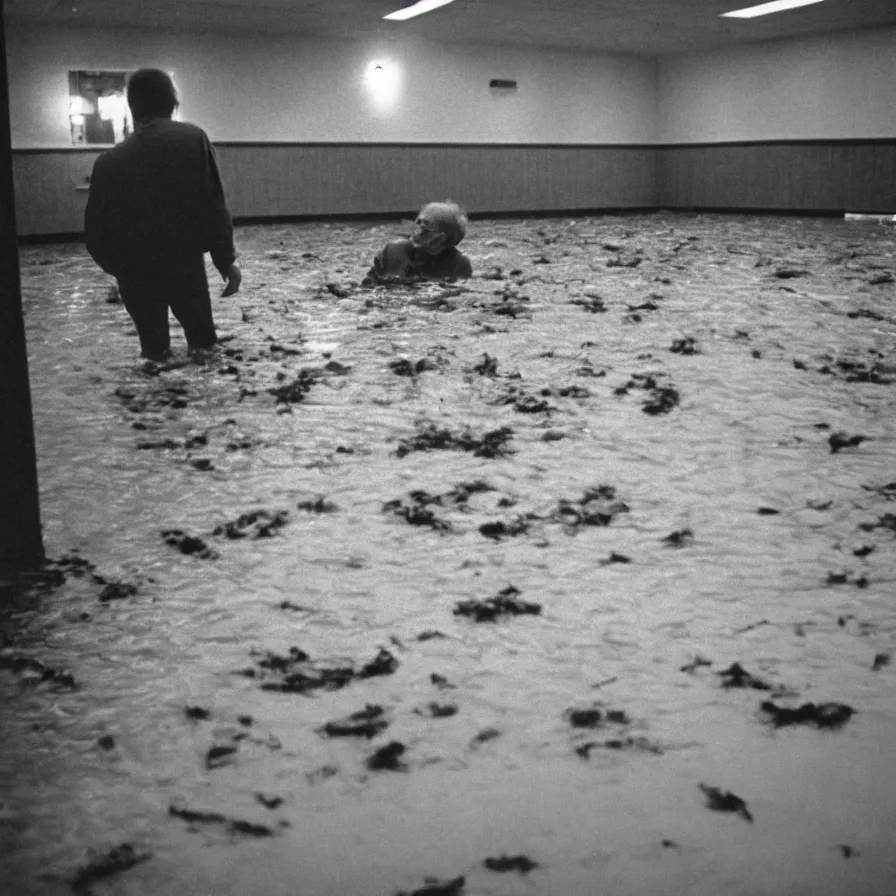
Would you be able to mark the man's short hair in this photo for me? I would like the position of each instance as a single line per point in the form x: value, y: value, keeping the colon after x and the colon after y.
x: 151, y: 94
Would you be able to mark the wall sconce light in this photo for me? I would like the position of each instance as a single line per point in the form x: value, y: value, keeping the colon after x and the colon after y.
x: 383, y: 82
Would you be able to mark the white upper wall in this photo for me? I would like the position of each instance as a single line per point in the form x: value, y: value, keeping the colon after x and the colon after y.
x: 281, y: 88
x: 835, y: 87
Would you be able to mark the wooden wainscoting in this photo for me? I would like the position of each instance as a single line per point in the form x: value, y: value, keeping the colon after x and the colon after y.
x: 274, y: 180
x: 269, y: 180
x: 343, y: 179
x: 51, y: 189
x: 811, y: 176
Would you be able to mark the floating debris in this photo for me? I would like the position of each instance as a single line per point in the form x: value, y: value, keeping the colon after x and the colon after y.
x: 294, y: 680
x: 117, y: 591
x: 488, y: 366
x: 219, y: 755
x: 726, y: 801
x: 367, y: 722
x: 638, y: 744
x: 432, y: 886
x: 432, y: 437
x: 438, y: 710
x: 254, y: 524
x: 404, y: 367
x: 522, y: 864
x: 122, y: 858
x: 505, y: 603
x: 880, y: 660
x: 685, y: 346
x: 615, y: 558
x: 822, y: 715
x: 188, y: 544
x: 295, y: 392
x: 596, y: 507
x: 841, y: 440
x: 679, y: 538
x: 386, y: 758
x: 695, y: 664
x: 34, y: 671
x: 234, y: 826
x: 499, y: 529
x: 595, y: 718
x: 318, y: 505
x: 735, y: 676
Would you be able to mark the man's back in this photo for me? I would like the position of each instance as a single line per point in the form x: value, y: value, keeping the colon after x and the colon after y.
x: 157, y: 198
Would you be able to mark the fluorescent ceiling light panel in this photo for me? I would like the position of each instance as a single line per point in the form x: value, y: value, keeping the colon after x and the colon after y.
x: 417, y: 9
x: 765, y: 8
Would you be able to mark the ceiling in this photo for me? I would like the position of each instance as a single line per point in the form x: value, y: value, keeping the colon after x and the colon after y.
x: 646, y: 27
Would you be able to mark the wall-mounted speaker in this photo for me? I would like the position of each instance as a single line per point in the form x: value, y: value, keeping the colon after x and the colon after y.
x: 502, y: 84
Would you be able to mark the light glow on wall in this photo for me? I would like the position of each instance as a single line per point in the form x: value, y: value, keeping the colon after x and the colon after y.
x: 751, y: 12
x: 382, y: 79
x: 416, y: 9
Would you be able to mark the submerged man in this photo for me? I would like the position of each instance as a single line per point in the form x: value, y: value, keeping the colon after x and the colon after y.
x: 431, y: 252
x: 156, y: 205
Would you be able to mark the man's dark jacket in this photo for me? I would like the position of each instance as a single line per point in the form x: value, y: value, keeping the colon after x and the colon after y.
x: 157, y: 200
x: 401, y: 259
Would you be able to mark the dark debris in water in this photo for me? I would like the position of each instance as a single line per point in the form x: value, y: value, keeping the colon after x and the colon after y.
x: 597, y: 507
x: 233, y: 826
x: 594, y: 717
x: 294, y: 392
x: 662, y: 398
x: 488, y: 366
x: 317, y: 505
x: 886, y: 521
x: 498, y: 529
x: 636, y: 744
x: 521, y: 863
x: 840, y: 440
x: 30, y: 670
x: 414, y: 511
x: 431, y: 437
x: 685, y: 346
x: 188, y: 544
x: 432, y: 886
x: 387, y: 758
x: 735, y: 676
x: 679, y: 538
x: 695, y: 664
x: 254, y: 524
x: 367, y: 722
x: 505, y: 603
x: 822, y: 715
x: 437, y: 710
x: 117, y: 591
x: 219, y: 755
x: 121, y: 858
x: 404, y: 367
x: 725, y: 801
x: 298, y: 675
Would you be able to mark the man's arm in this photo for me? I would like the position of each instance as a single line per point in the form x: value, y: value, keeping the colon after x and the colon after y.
x: 100, y: 225
x: 218, y: 236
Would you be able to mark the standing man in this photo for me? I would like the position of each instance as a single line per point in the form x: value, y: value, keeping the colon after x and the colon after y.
x: 156, y: 205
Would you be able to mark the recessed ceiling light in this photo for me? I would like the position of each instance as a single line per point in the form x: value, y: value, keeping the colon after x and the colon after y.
x: 416, y: 9
x: 764, y: 9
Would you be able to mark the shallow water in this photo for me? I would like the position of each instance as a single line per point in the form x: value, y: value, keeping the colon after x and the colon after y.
x: 792, y: 325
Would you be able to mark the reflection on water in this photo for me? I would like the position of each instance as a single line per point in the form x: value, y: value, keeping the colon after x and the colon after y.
x: 756, y: 340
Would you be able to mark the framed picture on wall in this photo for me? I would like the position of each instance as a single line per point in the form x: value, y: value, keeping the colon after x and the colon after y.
x: 98, y: 107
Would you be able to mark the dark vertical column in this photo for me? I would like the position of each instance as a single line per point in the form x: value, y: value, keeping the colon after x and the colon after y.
x: 21, y: 546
